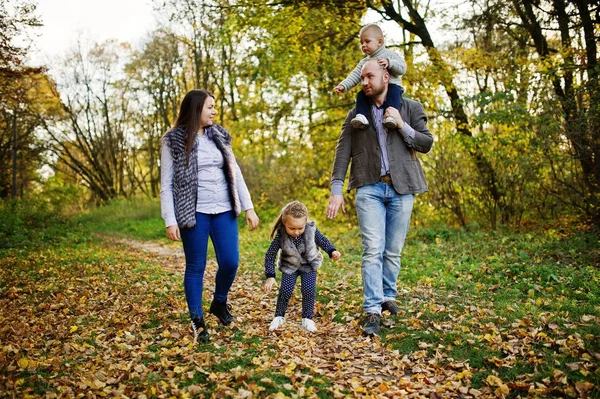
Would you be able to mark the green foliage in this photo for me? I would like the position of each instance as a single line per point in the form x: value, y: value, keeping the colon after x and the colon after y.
x: 138, y: 218
x: 34, y: 223
x: 62, y: 196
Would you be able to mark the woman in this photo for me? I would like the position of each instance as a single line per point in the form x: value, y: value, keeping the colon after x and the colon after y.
x: 202, y: 193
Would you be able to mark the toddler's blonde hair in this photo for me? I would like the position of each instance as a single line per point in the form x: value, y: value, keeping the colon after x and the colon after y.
x: 374, y: 28
x: 295, y: 209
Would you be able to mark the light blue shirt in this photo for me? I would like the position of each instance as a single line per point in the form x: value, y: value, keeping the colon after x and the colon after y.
x: 377, y: 113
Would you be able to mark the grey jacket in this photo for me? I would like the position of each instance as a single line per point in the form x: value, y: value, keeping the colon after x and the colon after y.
x: 362, y: 147
x: 306, y: 257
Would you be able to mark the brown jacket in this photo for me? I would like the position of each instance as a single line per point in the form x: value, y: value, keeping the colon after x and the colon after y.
x: 362, y: 147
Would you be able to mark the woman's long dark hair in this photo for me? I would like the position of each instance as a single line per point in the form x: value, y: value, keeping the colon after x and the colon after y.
x: 189, y: 116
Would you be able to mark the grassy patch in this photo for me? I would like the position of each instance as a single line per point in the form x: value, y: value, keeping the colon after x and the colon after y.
x: 521, y: 306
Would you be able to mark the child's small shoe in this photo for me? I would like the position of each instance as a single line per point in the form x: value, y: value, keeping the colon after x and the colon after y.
x: 276, y: 323
x: 390, y: 123
x: 359, y: 122
x: 309, y: 325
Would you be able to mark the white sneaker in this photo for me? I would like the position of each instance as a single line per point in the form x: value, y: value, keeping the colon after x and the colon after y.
x: 390, y: 123
x: 359, y: 122
x: 276, y: 323
x: 309, y: 325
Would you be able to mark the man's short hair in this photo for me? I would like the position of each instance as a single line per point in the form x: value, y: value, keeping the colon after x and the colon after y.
x: 374, y: 60
x: 373, y: 28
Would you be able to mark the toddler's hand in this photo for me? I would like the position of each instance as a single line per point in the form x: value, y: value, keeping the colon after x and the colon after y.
x: 339, y: 89
x: 383, y: 62
x: 335, y: 255
x: 269, y: 283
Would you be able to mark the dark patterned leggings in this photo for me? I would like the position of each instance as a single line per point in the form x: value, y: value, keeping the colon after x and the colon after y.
x: 308, y: 286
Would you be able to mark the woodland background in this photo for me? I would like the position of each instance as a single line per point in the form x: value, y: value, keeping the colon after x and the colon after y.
x: 511, y: 89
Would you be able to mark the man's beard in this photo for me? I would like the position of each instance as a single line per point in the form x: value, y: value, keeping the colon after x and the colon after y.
x: 376, y: 91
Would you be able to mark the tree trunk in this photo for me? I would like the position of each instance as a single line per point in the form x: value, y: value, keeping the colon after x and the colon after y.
x: 418, y: 27
x: 580, y: 126
x: 14, y: 156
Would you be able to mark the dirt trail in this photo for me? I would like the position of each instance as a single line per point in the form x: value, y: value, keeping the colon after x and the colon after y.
x: 338, y: 351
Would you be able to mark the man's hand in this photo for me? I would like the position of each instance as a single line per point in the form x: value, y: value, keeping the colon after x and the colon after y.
x: 269, y: 283
x: 251, y: 219
x: 173, y: 233
x: 339, y: 89
x: 335, y: 201
x: 395, y: 114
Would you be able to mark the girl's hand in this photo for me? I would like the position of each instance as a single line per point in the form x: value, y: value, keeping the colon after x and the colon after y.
x: 339, y: 89
x: 335, y: 255
x: 251, y: 219
x: 173, y: 233
x: 269, y: 283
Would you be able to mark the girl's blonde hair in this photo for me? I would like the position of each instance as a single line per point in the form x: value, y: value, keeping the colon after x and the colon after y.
x: 295, y: 209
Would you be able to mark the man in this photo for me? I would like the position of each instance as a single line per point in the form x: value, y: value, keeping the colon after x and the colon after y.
x: 386, y: 175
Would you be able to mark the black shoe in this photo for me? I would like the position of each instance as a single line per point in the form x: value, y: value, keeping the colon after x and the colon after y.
x: 391, y: 307
x: 222, y: 311
x: 371, y: 324
x: 200, y: 331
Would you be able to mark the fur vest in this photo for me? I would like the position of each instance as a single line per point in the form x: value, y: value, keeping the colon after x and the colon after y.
x: 185, y: 176
x: 305, y: 257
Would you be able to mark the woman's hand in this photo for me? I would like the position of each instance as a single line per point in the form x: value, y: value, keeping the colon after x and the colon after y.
x: 251, y: 219
x: 173, y: 233
x: 269, y: 283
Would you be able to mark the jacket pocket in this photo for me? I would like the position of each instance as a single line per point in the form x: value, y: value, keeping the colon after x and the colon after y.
x: 414, y: 175
x: 359, y: 158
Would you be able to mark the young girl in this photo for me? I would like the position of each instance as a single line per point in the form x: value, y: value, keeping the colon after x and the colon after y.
x: 299, y: 242
x: 372, y: 45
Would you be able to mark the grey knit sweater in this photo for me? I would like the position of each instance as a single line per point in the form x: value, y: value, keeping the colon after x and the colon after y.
x: 396, y: 68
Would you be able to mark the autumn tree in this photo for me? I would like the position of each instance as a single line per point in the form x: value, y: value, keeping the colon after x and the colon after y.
x: 94, y: 139
x: 19, y: 149
x: 570, y: 63
x: 156, y: 74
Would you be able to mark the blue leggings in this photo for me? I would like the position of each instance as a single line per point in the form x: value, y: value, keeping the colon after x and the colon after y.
x: 308, y: 286
x: 222, y: 229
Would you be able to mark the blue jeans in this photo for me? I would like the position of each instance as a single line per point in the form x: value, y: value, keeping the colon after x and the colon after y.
x: 383, y: 219
x: 223, y: 231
